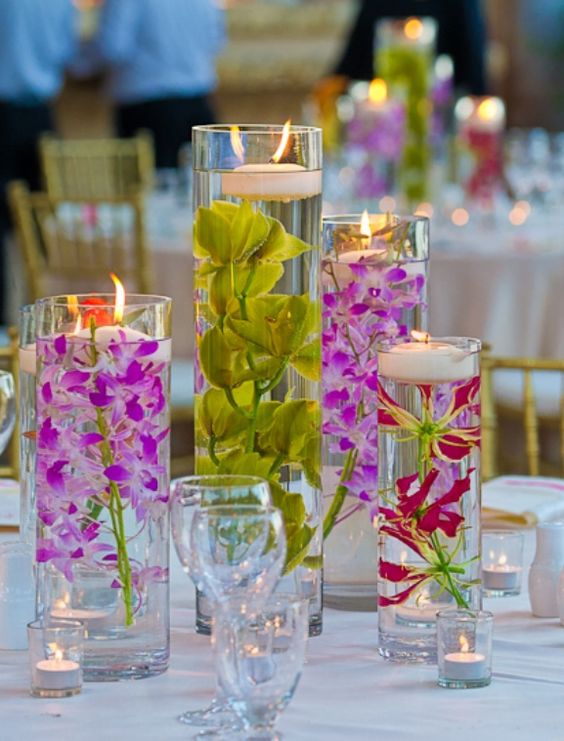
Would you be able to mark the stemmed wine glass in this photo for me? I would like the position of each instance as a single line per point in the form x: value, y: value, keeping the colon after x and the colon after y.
x: 190, y: 494
x: 259, y: 660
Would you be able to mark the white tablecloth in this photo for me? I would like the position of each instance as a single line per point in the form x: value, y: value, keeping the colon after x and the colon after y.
x: 347, y: 691
x: 486, y: 283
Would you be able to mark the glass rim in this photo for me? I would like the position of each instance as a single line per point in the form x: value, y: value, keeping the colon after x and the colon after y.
x: 252, y: 128
x: 465, y: 615
x: 61, y: 300
x: 202, y: 480
x: 471, y: 345
x: 239, y: 510
x: 58, y: 624
x: 355, y: 218
x: 499, y: 532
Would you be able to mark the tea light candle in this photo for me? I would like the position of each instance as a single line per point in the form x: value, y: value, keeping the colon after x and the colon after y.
x: 464, y: 665
x: 57, y: 673
x: 500, y: 576
x: 431, y: 361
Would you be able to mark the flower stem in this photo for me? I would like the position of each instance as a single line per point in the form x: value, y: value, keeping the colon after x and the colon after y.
x: 340, y: 493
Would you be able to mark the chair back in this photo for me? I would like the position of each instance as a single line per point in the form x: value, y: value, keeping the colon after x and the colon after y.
x: 80, y: 170
x: 539, y: 400
x: 73, y: 246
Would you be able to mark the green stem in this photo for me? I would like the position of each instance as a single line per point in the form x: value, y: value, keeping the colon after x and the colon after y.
x: 211, y: 450
x: 340, y: 494
x: 233, y: 403
x: 278, y: 461
x: 445, y: 571
x: 275, y: 380
x: 254, y: 414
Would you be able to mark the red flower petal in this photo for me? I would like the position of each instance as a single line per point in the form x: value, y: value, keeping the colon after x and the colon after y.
x: 437, y: 519
x: 396, y: 572
x: 409, y: 505
x: 400, y: 597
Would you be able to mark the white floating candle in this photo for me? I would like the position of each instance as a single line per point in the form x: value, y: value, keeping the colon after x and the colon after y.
x: 271, y: 182
x: 433, y: 361
x: 90, y: 618
x: 57, y: 674
x: 27, y: 359
x: 108, y: 333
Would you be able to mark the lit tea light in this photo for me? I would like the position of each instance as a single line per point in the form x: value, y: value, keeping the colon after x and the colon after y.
x: 367, y: 253
x: 273, y: 180
x: 460, y: 217
x: 426, y: 360
x: 464, y: 664
x: 501, y: 575
x: 57, y: 673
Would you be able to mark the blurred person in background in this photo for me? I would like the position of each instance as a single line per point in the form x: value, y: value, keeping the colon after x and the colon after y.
x: 461, y: 34
x: 160, y: 56
x: 37, y: 43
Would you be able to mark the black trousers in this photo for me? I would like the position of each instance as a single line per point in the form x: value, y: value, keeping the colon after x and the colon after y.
x: 20, y: 128
x: 169, y: 119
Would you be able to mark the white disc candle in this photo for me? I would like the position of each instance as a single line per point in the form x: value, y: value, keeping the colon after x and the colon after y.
x: 501, y: 576
x: 462, y: 665
x: 431, y: 361
x: 271, y: 182
x: 57, y: 674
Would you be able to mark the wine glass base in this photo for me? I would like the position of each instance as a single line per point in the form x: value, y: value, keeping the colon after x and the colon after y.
x: 217, y: 716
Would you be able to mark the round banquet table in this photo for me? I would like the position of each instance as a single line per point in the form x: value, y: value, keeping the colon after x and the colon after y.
x: 502, y: 284
x: 347, y: 691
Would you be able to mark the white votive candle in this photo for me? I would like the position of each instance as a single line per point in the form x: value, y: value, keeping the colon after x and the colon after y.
x: 57, y: 674
x: 464, y: 665
x: 500, y: 576
x: 426, y: 362
x: 271, y: 182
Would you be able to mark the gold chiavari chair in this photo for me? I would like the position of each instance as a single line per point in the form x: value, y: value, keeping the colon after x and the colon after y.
x: 72, y: 245
x: 98, y: 168
x: 528, y: 393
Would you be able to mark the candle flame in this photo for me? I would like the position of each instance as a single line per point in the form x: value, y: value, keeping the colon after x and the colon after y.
x: 488, y: 110
x: 420, y: 336
x: 378, y: 91
x: 277, y: 156
x: 237, y: 143
x: 58, y: 655
x: 502, y: 560
x: 72, y: 303
x: 120, y: 298
x: 464, y: 646
x: 365, y: 228
x: 413, y: 28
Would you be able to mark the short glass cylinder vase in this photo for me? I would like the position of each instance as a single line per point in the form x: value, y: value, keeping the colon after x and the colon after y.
x: 257, y: 233
x: 428, y: 489
x: 55, y: 657
x: 405, y: 55
x: 26, y: 411
x: 102, y: 476
x: 502, y: 562
x: 464, y: 641
x: 374, y: 280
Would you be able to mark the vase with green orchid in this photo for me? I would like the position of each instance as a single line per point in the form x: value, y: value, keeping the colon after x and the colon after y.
x: 257, y: 233
x: 428, y: 496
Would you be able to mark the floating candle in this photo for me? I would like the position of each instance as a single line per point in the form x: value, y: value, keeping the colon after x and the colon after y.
x: 430, y: 361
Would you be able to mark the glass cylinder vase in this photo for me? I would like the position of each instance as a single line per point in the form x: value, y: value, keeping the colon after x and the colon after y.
x: 257, y: 232
x: 102, y: 476
x: 374, y: 279
x: 428, y: 489
x: 26, y: 411
x: 405, y: 53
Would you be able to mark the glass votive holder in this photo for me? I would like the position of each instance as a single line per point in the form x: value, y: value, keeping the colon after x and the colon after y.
x: 55, y: 656
x: 464, y: 648
x: 502, y: 562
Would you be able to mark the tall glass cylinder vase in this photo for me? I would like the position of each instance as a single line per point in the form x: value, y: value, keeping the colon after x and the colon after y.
x: 257, y: 198
x: 428, y: 489
x: 405, y: 52
x: 27, y: 372
x: 102, y: 476
x: 374, y: 279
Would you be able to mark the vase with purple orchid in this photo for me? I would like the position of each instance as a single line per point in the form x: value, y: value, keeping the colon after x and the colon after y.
x: 428, y: 396
x: 102, y: 476
x: 374, y: 281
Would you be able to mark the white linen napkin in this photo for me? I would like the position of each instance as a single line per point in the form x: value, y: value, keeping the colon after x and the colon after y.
x: 521, y: 501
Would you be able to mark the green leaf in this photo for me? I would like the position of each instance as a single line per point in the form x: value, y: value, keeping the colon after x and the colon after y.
x: 226, y: 209
x: 297, y: 547
x: 307, y: 361
x: 263, y: 370
x: 311, y: 459
x: 204, y: 466
x: 279, y: 245
x: 216, y: 359
x: 217, y: 418
x: 212, y: 237
x: 249, y: 230
x: 250, y: 464
x: 293, y: 422
x: 266, y: 276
